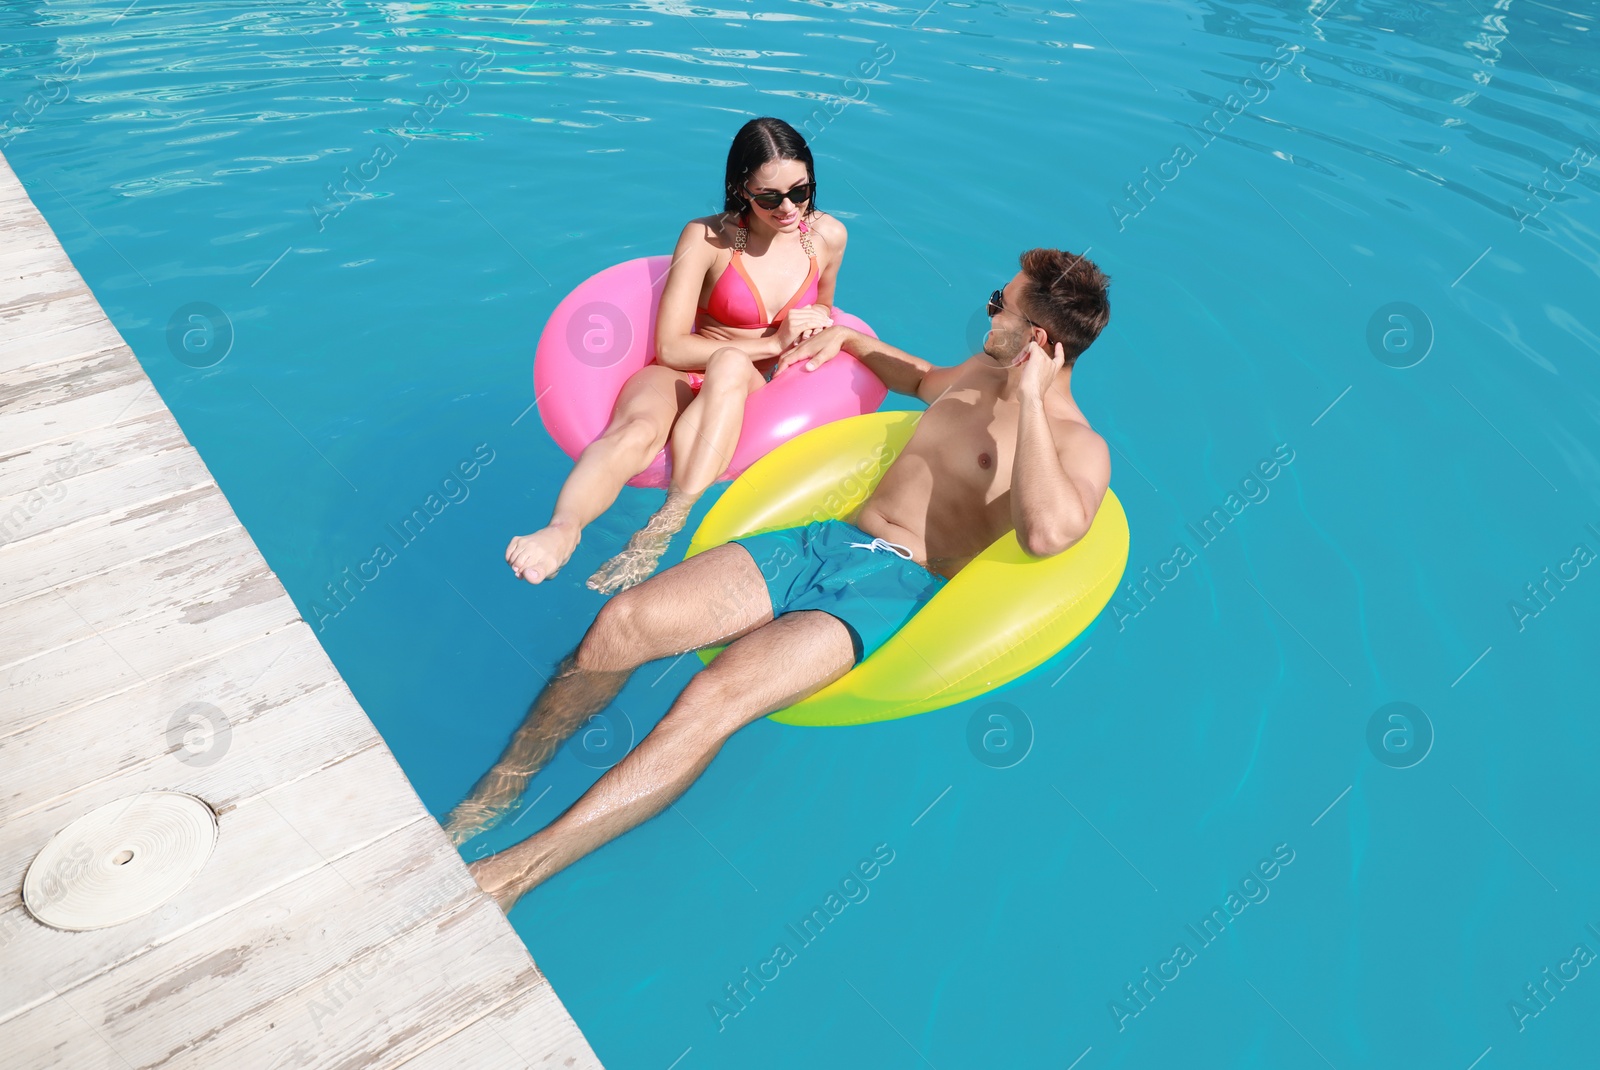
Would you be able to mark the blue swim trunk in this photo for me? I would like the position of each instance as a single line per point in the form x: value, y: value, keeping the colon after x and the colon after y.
x: 870, y: 584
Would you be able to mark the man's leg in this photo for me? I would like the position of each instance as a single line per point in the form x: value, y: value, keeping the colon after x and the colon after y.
x: 774, y: 666
x: 705, y: 600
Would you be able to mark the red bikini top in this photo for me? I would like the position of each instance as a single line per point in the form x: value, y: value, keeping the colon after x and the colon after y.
x: 735, y: 301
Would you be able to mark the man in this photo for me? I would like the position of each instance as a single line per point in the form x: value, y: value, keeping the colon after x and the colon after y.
x: 1002, y: 446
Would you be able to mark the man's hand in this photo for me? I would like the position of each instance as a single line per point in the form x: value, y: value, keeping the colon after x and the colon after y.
x: 1039, y: 369
x: 816, y: 350
x: 803, y: 323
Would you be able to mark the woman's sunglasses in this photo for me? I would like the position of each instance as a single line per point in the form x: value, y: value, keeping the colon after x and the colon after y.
x: 770, y: 201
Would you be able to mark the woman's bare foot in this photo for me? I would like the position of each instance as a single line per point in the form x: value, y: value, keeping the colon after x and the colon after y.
x: 494, y: 797
x: 639, y: 558
x: 539, y: 556
x: 500, y: 878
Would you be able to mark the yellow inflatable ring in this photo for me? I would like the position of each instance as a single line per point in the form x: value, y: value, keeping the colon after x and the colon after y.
x: 1002, y: 615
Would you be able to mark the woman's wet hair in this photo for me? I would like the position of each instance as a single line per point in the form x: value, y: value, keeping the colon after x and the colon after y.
x: 1065, y: 294
x: 758, y: 142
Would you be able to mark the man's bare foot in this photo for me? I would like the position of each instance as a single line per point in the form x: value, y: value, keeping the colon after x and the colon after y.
x: 499, y: 877
x: 639, y: 558
x: 539, y: 556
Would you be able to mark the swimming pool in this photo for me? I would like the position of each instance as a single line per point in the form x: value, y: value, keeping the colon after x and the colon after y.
x: 1350, y: 381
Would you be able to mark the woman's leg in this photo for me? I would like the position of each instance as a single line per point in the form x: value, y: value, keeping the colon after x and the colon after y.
x: 703, y: 442
x: 640, y: 424
x: 704, y: 438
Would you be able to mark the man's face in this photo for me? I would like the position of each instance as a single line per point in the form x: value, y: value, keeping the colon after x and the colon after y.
x: 1008, y: 330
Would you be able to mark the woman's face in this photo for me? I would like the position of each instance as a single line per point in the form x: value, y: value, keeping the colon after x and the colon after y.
x: 777, y: 176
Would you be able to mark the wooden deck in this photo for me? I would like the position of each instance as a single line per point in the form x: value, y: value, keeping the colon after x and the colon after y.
x: 335, y: 925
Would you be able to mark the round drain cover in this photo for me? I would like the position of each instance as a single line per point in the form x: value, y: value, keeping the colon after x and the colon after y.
x: 120, y: 861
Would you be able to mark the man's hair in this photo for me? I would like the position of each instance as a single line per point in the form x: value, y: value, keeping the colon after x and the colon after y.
x: 1066, y: 295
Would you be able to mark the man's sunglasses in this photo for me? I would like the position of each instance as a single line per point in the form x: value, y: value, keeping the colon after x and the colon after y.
x: 770, y: 201
x: 997, y: 304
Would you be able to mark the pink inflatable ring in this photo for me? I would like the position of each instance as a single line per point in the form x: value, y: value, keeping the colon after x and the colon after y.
x: 605, y: 330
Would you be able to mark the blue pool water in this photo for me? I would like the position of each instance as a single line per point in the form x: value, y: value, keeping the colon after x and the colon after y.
x: 1295, y: 203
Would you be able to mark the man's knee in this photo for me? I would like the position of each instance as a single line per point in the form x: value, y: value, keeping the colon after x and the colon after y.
x: 713, y: 706
x: 612, y: 641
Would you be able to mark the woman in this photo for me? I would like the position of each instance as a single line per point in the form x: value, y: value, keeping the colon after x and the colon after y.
x: 717, y: 340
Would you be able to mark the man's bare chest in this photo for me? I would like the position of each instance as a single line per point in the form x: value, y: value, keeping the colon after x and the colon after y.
x: 971, y: 438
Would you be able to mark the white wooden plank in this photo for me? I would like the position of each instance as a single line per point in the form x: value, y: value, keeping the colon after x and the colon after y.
x: 121, y: 733
x: 262, y: 847
x: 45, y: 302
x: 45, y: 344
x: 100, y: 471
x: 69, y: 399
x: 532, y: 1032
x: 284, y: 745
x: 50, y: 299
x: 105, y: 543
x: 275, y: 946
x: 382, y: 1006
x: 166, y: 586
x: 117, y: 658
x: 30, y: 256
x: 99, y: 448
x: 22, y: 239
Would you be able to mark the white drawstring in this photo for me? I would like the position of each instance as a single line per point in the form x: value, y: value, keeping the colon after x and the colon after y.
x: 884, y: 544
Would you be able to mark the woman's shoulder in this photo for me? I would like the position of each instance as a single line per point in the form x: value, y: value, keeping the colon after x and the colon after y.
x: 714, y: 230
x: 830, y: 229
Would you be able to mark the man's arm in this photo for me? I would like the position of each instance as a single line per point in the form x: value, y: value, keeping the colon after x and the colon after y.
x: 900, y: 371
x: 1059, y: 475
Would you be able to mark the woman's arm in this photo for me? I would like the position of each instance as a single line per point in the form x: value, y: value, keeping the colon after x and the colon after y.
x: 677, y: 346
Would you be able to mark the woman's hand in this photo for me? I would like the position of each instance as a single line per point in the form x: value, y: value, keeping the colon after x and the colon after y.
x: 816, y: 350
x: 803, y: 323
